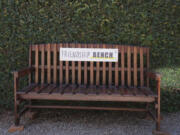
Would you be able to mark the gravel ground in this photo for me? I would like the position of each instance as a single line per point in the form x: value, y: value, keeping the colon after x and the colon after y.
x: 72, y: 122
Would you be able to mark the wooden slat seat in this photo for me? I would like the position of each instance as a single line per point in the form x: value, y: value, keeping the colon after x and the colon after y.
x: 50, y: 78
x: 88, y: 93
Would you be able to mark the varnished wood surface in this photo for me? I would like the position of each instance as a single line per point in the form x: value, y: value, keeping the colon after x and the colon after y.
x: 126, y: 80
x: 73, y: 92
x: 121, y: 73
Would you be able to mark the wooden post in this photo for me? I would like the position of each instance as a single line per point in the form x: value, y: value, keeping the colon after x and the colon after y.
x: 158, y: 106
x: 15, y: 99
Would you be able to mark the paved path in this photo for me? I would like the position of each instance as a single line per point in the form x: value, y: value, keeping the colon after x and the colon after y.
x: 66, y: 122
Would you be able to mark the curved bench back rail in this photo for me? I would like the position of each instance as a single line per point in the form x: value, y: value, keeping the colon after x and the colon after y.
x: 129, y: 71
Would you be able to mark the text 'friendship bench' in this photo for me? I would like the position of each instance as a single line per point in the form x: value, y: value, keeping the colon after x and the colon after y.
x: 126, y: 80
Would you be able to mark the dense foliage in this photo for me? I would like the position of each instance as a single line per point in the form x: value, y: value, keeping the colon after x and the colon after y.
x: 152, y: 23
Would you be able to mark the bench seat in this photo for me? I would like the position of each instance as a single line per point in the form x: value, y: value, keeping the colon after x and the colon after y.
x: 86, y: 93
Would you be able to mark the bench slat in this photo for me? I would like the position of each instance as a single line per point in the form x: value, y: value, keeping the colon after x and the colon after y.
x: 85, y: 70
x: 67, y: 67
x: 94, y: 68
x: 137, y: 91
x: 37, y: 64
x: 42, y: 87
x: 146, y: 91
x: 135, y: 66
x: 63, y: 87
x: 104, y: 69
x: 91, y: 70
x: 84, y: 89
x: 147, y: 65
x: 49, y: 63
x: 117, y: 70
x: 110, y: 70
x: 73, y: 68
x: 27, y: 89
x: 79, y: 69
x: 42, y: 63
x: 67, y: 89
x: 97, y: 70
x: 59, y: 89
x: 55, y: 90
x: 60, y: 69
x: 36, y: 88
x: 89, y: 97
x: 74, y: 89
x: 30, y: 63
x: 141, y: 68
x: 31, y: 87
x: 91, y: 89
x: 49, y: 88
x: 111, y: 89
x: 122, y: 66
x: 55, y: 64
x: 129, y: 65
x: 121, y: 91
x: 128, y: 92
x: 53, y: 87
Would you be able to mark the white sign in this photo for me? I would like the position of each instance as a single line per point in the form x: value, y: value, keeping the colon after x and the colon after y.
x: 89, y: 54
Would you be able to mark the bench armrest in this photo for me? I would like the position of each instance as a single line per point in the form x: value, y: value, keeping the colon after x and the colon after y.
x: 23, y: 72
x: 154, y: 75
x: 18, y: 74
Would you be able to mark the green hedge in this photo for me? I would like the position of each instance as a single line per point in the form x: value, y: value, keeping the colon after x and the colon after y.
x: 153, y: 23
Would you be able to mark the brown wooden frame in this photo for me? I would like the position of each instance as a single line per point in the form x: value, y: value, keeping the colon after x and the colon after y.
x: 102, y: 70
x: 157, y: 77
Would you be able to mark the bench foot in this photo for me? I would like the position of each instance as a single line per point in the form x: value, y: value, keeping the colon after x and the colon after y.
x: 160, y: 133
x: 15, y: 128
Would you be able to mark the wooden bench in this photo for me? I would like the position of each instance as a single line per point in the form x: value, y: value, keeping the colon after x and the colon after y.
x: 51, y: 79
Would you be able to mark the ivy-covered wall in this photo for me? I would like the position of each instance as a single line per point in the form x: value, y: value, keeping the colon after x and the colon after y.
x: 152, y: 23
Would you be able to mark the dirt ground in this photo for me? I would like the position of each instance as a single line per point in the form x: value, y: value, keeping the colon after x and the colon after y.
x: 72, y: 122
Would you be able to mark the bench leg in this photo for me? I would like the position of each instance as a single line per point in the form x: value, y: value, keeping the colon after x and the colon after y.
x: 16, y: 115
x: 158, y: 117
x: 16, y: 126
x: 157, y: 107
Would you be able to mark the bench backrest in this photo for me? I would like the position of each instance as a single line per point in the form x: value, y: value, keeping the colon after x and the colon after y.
x: 129, y: 71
